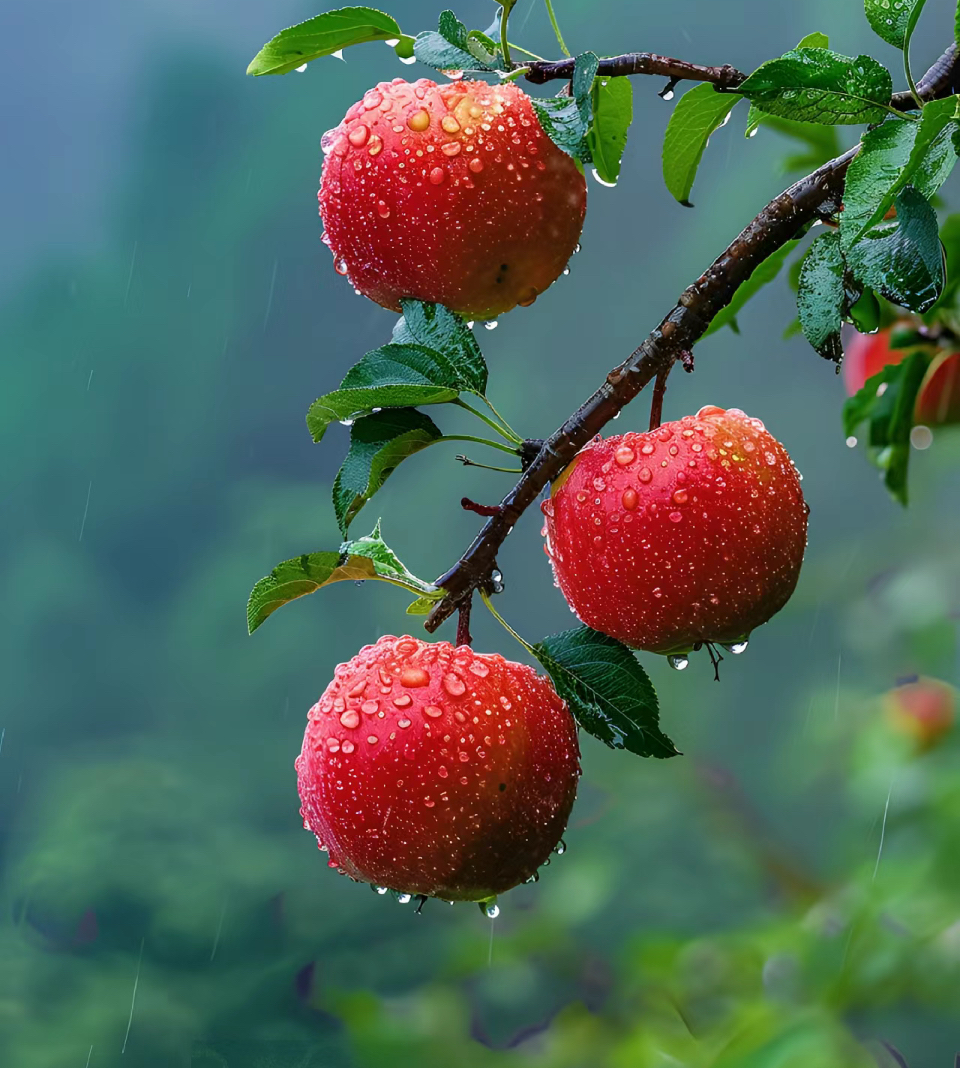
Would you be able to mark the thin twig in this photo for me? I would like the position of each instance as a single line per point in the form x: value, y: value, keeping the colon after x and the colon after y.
x: 779, y: 222
x: 463, y: 623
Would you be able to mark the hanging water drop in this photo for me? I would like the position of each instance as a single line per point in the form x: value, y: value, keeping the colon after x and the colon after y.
x: 404, y: 899
x: 381, y: 890
x: 851, y: 442
x: 301, y: 68
x: 560, y: 848
x: 735, y: 647
x: 491, y: 324
x: 490, y: 909
x: 602, y: 181
x: 678, y: 661
x: 496, y: 581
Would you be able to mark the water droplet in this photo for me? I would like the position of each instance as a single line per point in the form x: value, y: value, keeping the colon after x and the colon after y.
x: 490, y: 909
x: 451, y: 149
x: 437, y: 176
x: 381, y: 890
x: 491, y: 324
x: 496, y: 581
x: 358, y: 135
x: 301, y: 68
x: 419, y: 120
x: 414, y: 676
x: 577, y: 247
x: 735, y: 647
x: 347, y: 747
x: 404, y: 899
x: 369, y: 707
x: 453, y: 684
x: 449, y: 124
x: 376, y: 146
x: 851, y: 442
x: 350, y: 718
x: 630, y: 499
x: 333, y: 744
x: 372, y: 100
x: 680, y: 496
x: 675, y: 517
x: 770, y: 458
x: 372, y: 739
x: 602, y: 181
x: 478, y: 667
x: 407, y: 60
x: 566, y: 271
x: 433, y: 711
x: 678, y: 661
x: 921, y: 437
x: 383, y: 210
x: 560, y: 848
x: 340, y: 266
x: 624, y: 455
x: 645, y: 474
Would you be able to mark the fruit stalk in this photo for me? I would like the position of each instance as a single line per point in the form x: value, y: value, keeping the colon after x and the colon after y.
x: 725, y: 77
x: 818, y: 194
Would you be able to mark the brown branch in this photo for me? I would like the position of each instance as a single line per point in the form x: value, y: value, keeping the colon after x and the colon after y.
x: 725, y: 77
x: 816, y: 195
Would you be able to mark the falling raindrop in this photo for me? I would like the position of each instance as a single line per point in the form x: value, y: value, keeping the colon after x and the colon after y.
x: 735, y: 647
x: 678, y: 661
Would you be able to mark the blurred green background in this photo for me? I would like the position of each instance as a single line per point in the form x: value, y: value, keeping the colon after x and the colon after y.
x: 167, y: 312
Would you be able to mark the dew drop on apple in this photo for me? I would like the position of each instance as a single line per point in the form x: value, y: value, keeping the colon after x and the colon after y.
x: 678, y: 661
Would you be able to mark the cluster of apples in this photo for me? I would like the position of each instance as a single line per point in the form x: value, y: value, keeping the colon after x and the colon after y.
x: 434, y: 770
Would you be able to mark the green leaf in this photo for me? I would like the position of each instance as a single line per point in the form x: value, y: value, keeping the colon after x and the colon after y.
x: 698, y: 113
x: 565, y: 119
x: 435, y: 327
x: 378, y: 444
x: 901, y: 152
x: 893, y: 20
x: 821, y: 297
x: 321, y: 36
x: 394, y: 376
x: 866, y: 314
x: 357, y: 561
x: 817, y: 85
x: 762, y: 275
x: 450, y: 47
x: 887, y: 402
x: 901, y: 258
x: 612, y: 114
x: 607, y: 690
x: 950, y: 238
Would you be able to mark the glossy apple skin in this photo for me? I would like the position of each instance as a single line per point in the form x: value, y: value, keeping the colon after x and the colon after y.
x: 451, y: 194
x: 691, y: 533
x: 923, y: 709
x: 436, y: 770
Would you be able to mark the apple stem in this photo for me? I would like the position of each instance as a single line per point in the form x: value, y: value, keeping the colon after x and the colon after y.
x: 656, y: 403
x: 463, y: 623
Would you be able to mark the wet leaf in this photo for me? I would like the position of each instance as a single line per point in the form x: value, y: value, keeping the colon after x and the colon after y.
x: 887, y: 402
x: 762, y: 275
x: 565, y: 119
x: 894, y: 20
x: 698, y: 113
x: 321, y: 36
x: 612, y: 114
x: 451, y: 47
x: 899, y: 153
x: 817, y: 85
x: 378, y: 444
x: 394, y: 376
x: 901, y: 258
x: 609, y: 693
x: 436, y: 327
x: 357, y: 561
x: 821, y: 296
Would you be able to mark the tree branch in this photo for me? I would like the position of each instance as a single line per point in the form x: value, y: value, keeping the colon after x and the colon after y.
x: 725, y: 77
x: 816, y: 195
